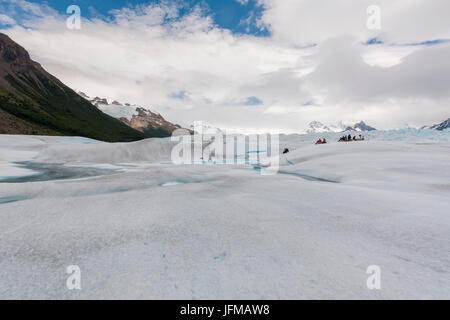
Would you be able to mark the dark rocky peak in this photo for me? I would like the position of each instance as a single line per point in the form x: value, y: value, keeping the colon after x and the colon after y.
x: 11, y: 52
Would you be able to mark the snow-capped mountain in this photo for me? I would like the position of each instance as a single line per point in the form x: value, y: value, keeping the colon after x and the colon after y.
x: 150, y: 123
x: 360, y: 126
x: 318, y: 127
x: 441, y: 126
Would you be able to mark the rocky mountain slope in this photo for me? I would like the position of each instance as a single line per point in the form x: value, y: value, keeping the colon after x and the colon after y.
x: 360, y: 126
x: 440, y: 126
x: 150, y: 123
x: 32, y: 101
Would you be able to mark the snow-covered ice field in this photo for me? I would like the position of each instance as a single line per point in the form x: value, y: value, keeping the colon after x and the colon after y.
x: 142, y: 228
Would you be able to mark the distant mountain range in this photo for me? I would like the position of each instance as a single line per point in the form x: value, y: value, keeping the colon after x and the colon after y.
x: 32, y: 101
x: 318, y: 127
x: 440, y: 126
x: 150, y: 123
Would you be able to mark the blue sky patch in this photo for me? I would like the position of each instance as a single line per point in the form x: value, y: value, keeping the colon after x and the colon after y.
x: 376, y: 40
x: 178, y: 95
x: 430, y: 42
x: 253, y: 101
x: 309, y: 103
x: 228, y: 14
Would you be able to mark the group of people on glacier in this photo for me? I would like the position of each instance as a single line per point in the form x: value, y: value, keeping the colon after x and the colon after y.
x: 349, y: 138
x: 343, y: 139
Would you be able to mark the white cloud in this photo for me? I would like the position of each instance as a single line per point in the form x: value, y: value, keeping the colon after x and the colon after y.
x: 149, y: 54
x: 313, y: 21
x: 4, y: 19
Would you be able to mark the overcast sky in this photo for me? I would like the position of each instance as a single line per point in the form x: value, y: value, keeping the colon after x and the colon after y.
x: 265, y: 65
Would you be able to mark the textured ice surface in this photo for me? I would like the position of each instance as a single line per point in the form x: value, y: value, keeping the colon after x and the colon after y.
x: 156, y: 230
x: 54, y: 171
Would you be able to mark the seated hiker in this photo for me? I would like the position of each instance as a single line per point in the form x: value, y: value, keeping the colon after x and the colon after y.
x: 319, y: 141
x: 354, y: 138
x: 324, y: 140
x: 349, y: 137
x: 286, y: 150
